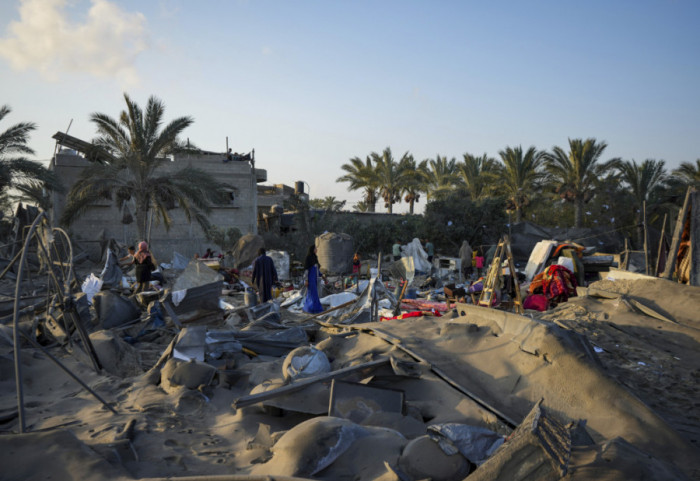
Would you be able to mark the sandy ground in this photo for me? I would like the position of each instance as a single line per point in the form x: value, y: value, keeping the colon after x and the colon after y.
x: 630, y: 378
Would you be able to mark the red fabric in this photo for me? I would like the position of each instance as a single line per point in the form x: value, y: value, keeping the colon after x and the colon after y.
x: 536, y: 302
x: 558, y: 282
x: 406, y: 315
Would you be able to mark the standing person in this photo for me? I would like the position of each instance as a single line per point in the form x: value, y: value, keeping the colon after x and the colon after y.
x: 396, y: 251
x: 312, y: 304
x: 479, y: 263
x: 128, y: 259
x: 465, y: 257
x: 143, y: 260
x: 264, y: 275
x: 356, y: 263
x: 430, y: 250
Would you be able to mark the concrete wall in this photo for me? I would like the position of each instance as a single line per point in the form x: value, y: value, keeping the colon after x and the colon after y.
x: 103, y: 221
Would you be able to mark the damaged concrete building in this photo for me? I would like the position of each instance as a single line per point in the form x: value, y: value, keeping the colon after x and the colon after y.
x: 105, y: 221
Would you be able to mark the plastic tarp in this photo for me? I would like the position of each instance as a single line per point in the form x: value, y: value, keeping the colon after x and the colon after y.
x: 275, y: 343
x: 196, y: 274
x: 199, y: 344
x: 246, y: 250
x: 403, y: 269
x: 179, y: 261
x: 111, y: 274
x: 337, y: 299
x: 420, y: 257
x: 475, y: 443
x: 114, y: 310
x: 281, y: 260
x: 360, y: 311
x: 335, y: 252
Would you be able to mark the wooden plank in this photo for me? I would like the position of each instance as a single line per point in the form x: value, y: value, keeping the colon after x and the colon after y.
x: 676, y: 242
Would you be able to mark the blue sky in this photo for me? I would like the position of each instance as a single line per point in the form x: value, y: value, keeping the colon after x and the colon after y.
x: 310, y: 84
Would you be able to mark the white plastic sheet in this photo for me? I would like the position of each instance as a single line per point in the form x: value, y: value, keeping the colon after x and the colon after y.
x: 91, y: 286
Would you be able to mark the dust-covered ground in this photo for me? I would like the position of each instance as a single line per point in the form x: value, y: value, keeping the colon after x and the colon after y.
x: 630, y: 378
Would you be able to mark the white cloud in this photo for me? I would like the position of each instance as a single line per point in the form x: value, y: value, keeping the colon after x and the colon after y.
x: 105, y: 44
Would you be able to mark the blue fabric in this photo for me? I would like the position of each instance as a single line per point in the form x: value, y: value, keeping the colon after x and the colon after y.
x: 312, y: 304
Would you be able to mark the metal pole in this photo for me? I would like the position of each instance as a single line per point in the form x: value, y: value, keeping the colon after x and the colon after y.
x: 15, y: 324
x: 68, y: 371
x: 646, y: 239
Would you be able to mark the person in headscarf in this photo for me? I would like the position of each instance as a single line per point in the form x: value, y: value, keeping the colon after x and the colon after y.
x: 143, y: 260
x: 312, y: 303
x: 264, y: 275
x: 465, y: 256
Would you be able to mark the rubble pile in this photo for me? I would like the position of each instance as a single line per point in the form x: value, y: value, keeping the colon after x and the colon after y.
x: 407, y: 374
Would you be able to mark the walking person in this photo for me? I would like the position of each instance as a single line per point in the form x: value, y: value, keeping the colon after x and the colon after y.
x: 312, y: 303
x: 264, y: 275
x: 145, y: 264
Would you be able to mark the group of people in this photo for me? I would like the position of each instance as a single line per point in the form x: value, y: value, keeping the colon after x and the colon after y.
x: 265, y: 277
x: 144, y: 264
x: 472, y: 260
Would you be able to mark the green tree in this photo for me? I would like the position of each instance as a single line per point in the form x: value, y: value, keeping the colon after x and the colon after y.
x: 689, y: 173
x: 575, y: 173
x: 644, y: 181
x: 477, y: 175
x: 519, y: 177
x: 390, y: 175
x: 329, y: 203
x: 440, y: 176
x: 413, y: 182
x: 137, y: 143
x: 28, y: 178
x: 362, y: 176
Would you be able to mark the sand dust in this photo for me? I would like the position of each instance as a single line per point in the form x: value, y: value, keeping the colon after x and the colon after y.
x: 633, y: 379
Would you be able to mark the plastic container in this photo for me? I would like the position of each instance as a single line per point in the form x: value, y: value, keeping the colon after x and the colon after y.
x: 250, y: 297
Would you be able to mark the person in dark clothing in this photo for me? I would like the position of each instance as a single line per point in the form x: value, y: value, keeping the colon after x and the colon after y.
x: 312, y: 303
x: 264, y: 275
x: 143, y: 260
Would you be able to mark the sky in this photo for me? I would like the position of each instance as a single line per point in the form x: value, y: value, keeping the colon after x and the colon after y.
x: 310, y: 84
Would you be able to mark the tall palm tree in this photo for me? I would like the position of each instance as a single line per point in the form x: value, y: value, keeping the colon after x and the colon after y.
x: 137, y: 143
x: 440, y: 176
x: 688, y: 173
x: 29, y: 177
x: 477, y: 174
x: 644, y: 181
x: 575, y: 173
x: 413, y: 182
x: 520, y: 176
x: 362, y: 176
x: 390, y: 175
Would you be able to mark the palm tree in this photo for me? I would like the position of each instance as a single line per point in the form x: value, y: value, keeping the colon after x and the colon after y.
x: 413, y: 182
x: 29, y: 177
x: 329, y: 203
x: 688, y: 173
x: 477, y: 174
x: 644, y: 181
x: 361, y: 175
x: 520, y: 175
x: 575, y: 174
x: 137, y: 143
x: 390, y: 175
x: 440, y: 176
